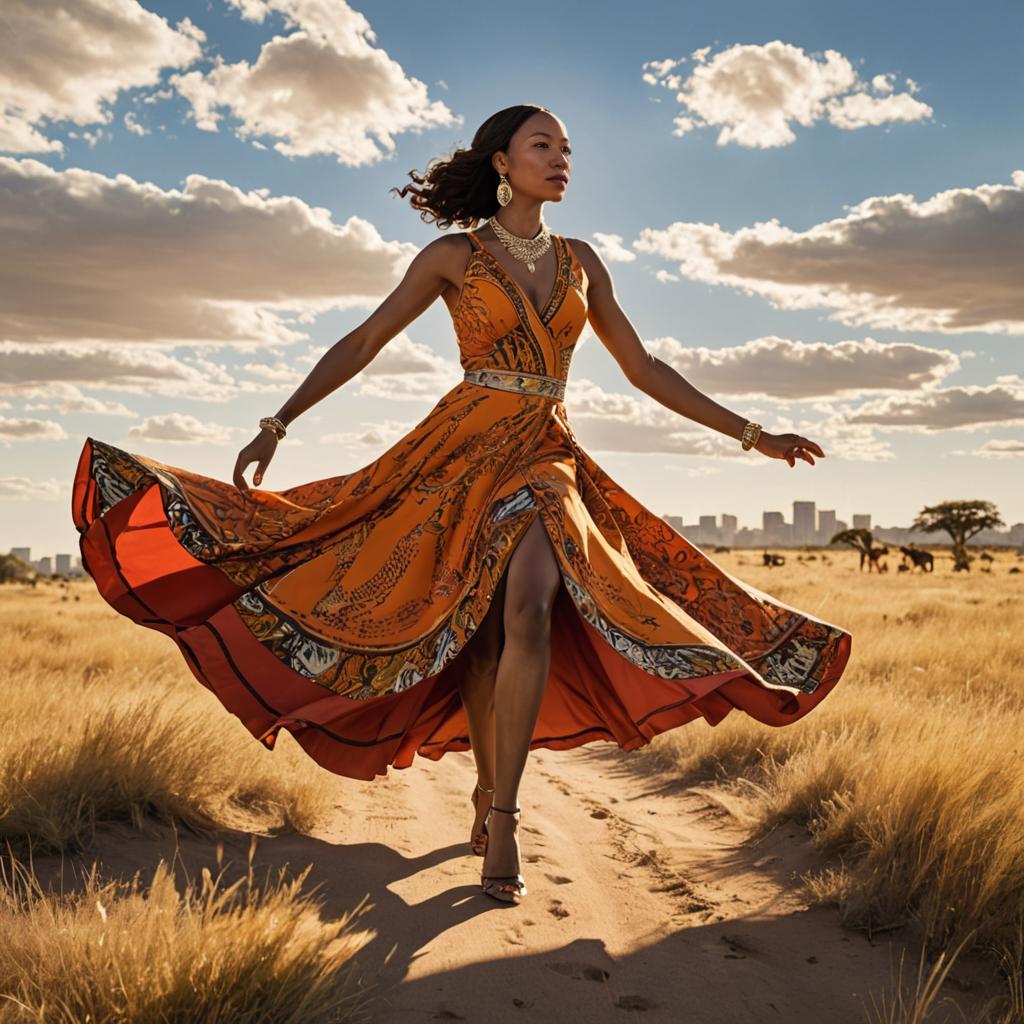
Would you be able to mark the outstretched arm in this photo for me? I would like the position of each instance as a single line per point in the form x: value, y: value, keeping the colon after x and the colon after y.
x: 428, y: 274
x: 656, y: 378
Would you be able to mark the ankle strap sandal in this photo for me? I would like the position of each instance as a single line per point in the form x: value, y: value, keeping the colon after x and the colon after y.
x: 506, y: 888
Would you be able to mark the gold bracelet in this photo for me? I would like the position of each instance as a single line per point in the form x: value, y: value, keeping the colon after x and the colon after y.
x: 750, y: 436
x: 274, y: 424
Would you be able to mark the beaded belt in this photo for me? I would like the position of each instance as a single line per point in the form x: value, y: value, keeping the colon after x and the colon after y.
x: 518, y: 380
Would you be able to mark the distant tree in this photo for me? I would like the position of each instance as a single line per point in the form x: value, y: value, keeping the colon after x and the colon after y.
x: 861, y: 540
x: 961, y: 520
x: 14, y: 570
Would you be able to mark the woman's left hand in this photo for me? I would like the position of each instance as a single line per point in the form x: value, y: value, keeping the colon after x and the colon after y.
x: 789, y: 447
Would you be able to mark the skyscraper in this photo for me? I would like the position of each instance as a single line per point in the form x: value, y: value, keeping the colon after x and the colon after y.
x: 862, y: 521
x: 826, y: 525
x: 773, y: 524
x: 803, y: 522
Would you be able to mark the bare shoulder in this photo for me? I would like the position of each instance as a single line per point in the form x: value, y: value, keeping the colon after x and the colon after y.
x: 446, y: 255
x: 589, y: 258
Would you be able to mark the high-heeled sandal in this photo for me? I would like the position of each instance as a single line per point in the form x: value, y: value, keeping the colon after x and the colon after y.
x: 478, y: 840
x: 506, y: 888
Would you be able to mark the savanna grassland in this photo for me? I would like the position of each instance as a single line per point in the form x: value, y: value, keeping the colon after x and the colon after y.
x: 906, y: 781
x: 907, y: 777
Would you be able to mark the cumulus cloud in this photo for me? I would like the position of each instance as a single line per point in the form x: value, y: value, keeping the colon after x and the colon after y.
x: 373, y: 437
x: 611, y: 247
x: 180, y: 428
x: 797, y: 371
x: 956, y: 408
x: 606, y: 421
x: 322, y: 88
x: 14, y: 429
x: 948, y: 264
x: 755, y: 93
x: 1001, y: 448
x: 60, y: 369
x: 93, y: 258
x: 66, y: 398
x: 69, y: 61
x: 21, y: 488
x: 407, y: 370
x: 613, y: 422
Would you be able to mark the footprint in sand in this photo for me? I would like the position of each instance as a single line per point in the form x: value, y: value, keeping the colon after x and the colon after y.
x: 578, y: 971
x: 633, y: 1003
x: 599, y: 812
x: 555, y: 909
x: 558, y: 879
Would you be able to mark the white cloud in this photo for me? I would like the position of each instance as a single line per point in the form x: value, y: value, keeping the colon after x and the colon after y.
x: 611, y: 247
x: 66, y: 398
x: 182, y: 429
x: 1001, y: 448
x: 755, y: 93
x: 796, y: 370
x: 93, y: 258
x: 406, y: 369
x: 374, y: 437
x: 955, y: 408
x: 69, y: 61
x: 21, y: 488
x: 949, y: 264
x: 14, y: 429
x: 323, y: 88
x: 47, y: 371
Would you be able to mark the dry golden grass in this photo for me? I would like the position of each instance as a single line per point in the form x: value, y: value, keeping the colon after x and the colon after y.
x: 105, y: 723
x: 115, y: 952
x: 907, y: 777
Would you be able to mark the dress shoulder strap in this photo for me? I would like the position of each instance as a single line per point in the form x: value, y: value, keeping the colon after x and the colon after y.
x: 474, y: 241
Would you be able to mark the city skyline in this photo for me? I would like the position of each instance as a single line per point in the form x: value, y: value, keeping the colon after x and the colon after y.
x: 809, y: 526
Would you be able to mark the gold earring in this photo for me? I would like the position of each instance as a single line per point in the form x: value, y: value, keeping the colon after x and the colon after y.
x: 504, y: 192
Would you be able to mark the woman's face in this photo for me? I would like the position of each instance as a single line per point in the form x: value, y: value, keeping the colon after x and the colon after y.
x: 539, y: 161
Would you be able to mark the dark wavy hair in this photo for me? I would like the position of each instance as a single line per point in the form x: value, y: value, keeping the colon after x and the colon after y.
x: 461, y: 189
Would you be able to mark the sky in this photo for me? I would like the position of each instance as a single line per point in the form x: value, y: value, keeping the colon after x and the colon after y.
x: 815, y: 213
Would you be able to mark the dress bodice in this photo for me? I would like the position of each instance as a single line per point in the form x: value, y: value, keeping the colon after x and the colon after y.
x: 499, y: 328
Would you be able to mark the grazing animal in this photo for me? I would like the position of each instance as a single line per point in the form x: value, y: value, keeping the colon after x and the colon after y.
x: 903, y: 567
x: 923, y: 560
x: 770, y: 560
x: 872, y: 555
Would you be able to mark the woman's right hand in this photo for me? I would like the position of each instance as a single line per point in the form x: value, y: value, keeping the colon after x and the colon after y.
x: 259, y: 450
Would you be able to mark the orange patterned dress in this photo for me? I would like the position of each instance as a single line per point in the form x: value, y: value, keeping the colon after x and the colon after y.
x: 337, y: 609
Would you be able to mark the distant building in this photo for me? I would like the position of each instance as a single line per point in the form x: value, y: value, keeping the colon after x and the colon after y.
x: 826, y: 525
x: 63, y: 565
x: 44, y: 566
x: 676, y: 522
x: 804, y: 525
x: 24, y: 554
x: 708, y: 530
x: 727, y: 533
x: 773, y: 524
x: 861, y: 521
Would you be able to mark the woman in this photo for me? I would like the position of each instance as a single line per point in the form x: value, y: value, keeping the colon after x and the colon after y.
x: 414, y: 606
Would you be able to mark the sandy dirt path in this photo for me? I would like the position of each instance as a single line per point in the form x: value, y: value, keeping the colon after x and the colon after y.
x: 644, y: 902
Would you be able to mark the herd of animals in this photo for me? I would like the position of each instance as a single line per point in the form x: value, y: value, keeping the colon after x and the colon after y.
x: 911, y: 558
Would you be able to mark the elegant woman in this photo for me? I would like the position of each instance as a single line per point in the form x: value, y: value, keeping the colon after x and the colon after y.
x: 415, y: 606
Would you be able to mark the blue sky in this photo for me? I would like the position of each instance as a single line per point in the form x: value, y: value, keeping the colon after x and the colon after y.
x: 880, y: 315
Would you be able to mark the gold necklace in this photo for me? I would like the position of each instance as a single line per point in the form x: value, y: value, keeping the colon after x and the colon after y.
x: 526, y: 250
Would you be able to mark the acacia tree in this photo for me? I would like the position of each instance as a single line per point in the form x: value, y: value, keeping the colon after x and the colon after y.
x: 961, y: 520
x: 860, y: 540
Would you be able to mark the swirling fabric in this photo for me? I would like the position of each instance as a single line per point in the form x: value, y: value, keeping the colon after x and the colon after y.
x: 337, y: 609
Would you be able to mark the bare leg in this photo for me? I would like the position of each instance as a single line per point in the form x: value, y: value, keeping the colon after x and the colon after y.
x: 477, y: 665
x: 533, y: 580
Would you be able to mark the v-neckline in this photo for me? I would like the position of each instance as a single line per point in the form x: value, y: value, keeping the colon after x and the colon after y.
x: 518, y: 287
